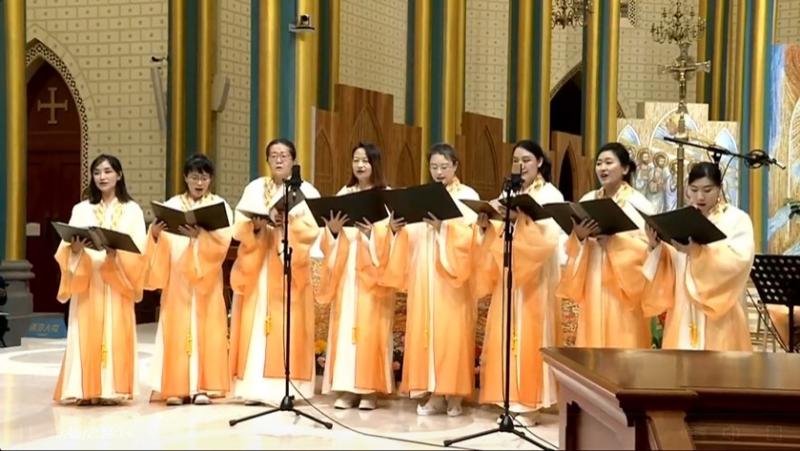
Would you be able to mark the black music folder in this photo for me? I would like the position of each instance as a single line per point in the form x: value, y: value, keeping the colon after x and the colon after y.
x: 682, y: 224
x: 483, y: 206
x: 295, y: 197
x: 259, y: 214
x: 98, y: 238
x: 211, y: 217
x: 528, y: 206
x: 605, y: 212
x: 413, y: 204
x: 368, y: 204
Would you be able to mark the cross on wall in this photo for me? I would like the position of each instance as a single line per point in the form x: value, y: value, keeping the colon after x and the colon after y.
x: 52, y: 105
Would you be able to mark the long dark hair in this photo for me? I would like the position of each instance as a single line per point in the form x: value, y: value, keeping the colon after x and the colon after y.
x: 121, y: 191
x: 535, y: 149
x: 285, y: 142
x: 623, y: 156
x: 706, y: 169
x: 374, y: 157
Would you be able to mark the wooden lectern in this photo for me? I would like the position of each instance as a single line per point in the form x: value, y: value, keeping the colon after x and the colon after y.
x: 664, y: 399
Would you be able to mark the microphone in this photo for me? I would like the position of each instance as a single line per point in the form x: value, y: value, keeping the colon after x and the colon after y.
x: 757, y: 158
x: 296, y: 180
x: 514, y: 181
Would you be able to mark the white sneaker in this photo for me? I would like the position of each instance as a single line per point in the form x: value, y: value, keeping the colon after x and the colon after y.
x: 454, y: 406
x: 434, y: 406
x: 201, y: 399
x: 368, y: 402
x: 346, y: 400
x: 174, y: 401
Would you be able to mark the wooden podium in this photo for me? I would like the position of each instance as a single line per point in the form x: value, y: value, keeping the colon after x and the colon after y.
x: 663, y: 399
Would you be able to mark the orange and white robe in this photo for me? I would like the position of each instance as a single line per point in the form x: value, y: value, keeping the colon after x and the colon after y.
x: 434, y: 268
x: 359, y: 356
x: 703, y: 293
x: 100, y: 359
x: 257, y: 317
x: 608, y: 284
x: 191, y: 352
x: 535, y: 310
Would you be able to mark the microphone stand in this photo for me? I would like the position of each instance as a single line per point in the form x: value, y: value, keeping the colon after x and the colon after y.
x: 754, y: 159
x: 290, y: 187
x: 511, y: 186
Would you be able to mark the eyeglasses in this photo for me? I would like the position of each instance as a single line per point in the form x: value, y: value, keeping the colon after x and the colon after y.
x: 279, y: 156
x: 199, y: 178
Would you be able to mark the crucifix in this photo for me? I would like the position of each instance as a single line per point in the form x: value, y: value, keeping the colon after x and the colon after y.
x: 683, y: 69
x: 680, y: 29
x: 52, y: 105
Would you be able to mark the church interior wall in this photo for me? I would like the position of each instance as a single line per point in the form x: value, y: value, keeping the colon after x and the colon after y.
x: 372, y: 42
x: 787, y: 18
x: 233, y: 122
x: 486, y: 58
x: 107, y: 48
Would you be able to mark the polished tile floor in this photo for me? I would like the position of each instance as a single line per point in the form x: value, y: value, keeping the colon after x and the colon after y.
x: 30, y: 420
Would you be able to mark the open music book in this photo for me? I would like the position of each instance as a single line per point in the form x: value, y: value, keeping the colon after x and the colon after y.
x: 682, y: 224
x: 210, y: 217
x: 98, y: 238
x: 368, y: 204
x: 605, y: 212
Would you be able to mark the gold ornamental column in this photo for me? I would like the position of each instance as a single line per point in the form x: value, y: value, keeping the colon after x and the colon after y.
x: 422, y: 78
x: 177, y: 95
x: 755, y: 116
x: 16, y: 129
x: 269, y: 39
x: 453, y: 87
x: 206, y: 67
x: 305, y: 89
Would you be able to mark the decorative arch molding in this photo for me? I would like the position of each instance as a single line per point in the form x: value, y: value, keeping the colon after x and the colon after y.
x: 567, y: 77
x: 36, y: 54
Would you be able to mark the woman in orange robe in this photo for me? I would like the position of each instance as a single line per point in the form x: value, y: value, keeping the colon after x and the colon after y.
x: 535, y: 309
x: 432, y: 261
x: 604, y: 273
x: 102, y: 286
x: 701, y: 287
x: 191, y: 358
x: 258, y: 313
x: 359, y: 360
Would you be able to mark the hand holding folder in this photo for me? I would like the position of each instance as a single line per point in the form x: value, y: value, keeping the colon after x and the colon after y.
x: 484, y: 207
x: 210, y: 218
x: 257, y: 214
x: 610, y: 218
x: 362, y: 206
x: 97, y: 238
x: 416, y: 203
x: 682, y: 225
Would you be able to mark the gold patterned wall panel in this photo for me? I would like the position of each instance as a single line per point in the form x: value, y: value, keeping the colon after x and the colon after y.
x: 787, y: 18
x: 107, y: 46
x: 372, y: 44
x: 486, y: 57
x: 233, y: 123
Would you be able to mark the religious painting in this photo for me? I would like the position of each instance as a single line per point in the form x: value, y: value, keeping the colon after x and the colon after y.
x: 783, y: 232
x: 656, y: 159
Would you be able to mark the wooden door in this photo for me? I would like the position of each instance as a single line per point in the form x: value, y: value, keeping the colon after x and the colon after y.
x: 54, y: 171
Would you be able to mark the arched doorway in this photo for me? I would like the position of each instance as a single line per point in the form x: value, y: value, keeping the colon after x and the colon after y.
x: 54, y: 175
x: 566, y: 105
